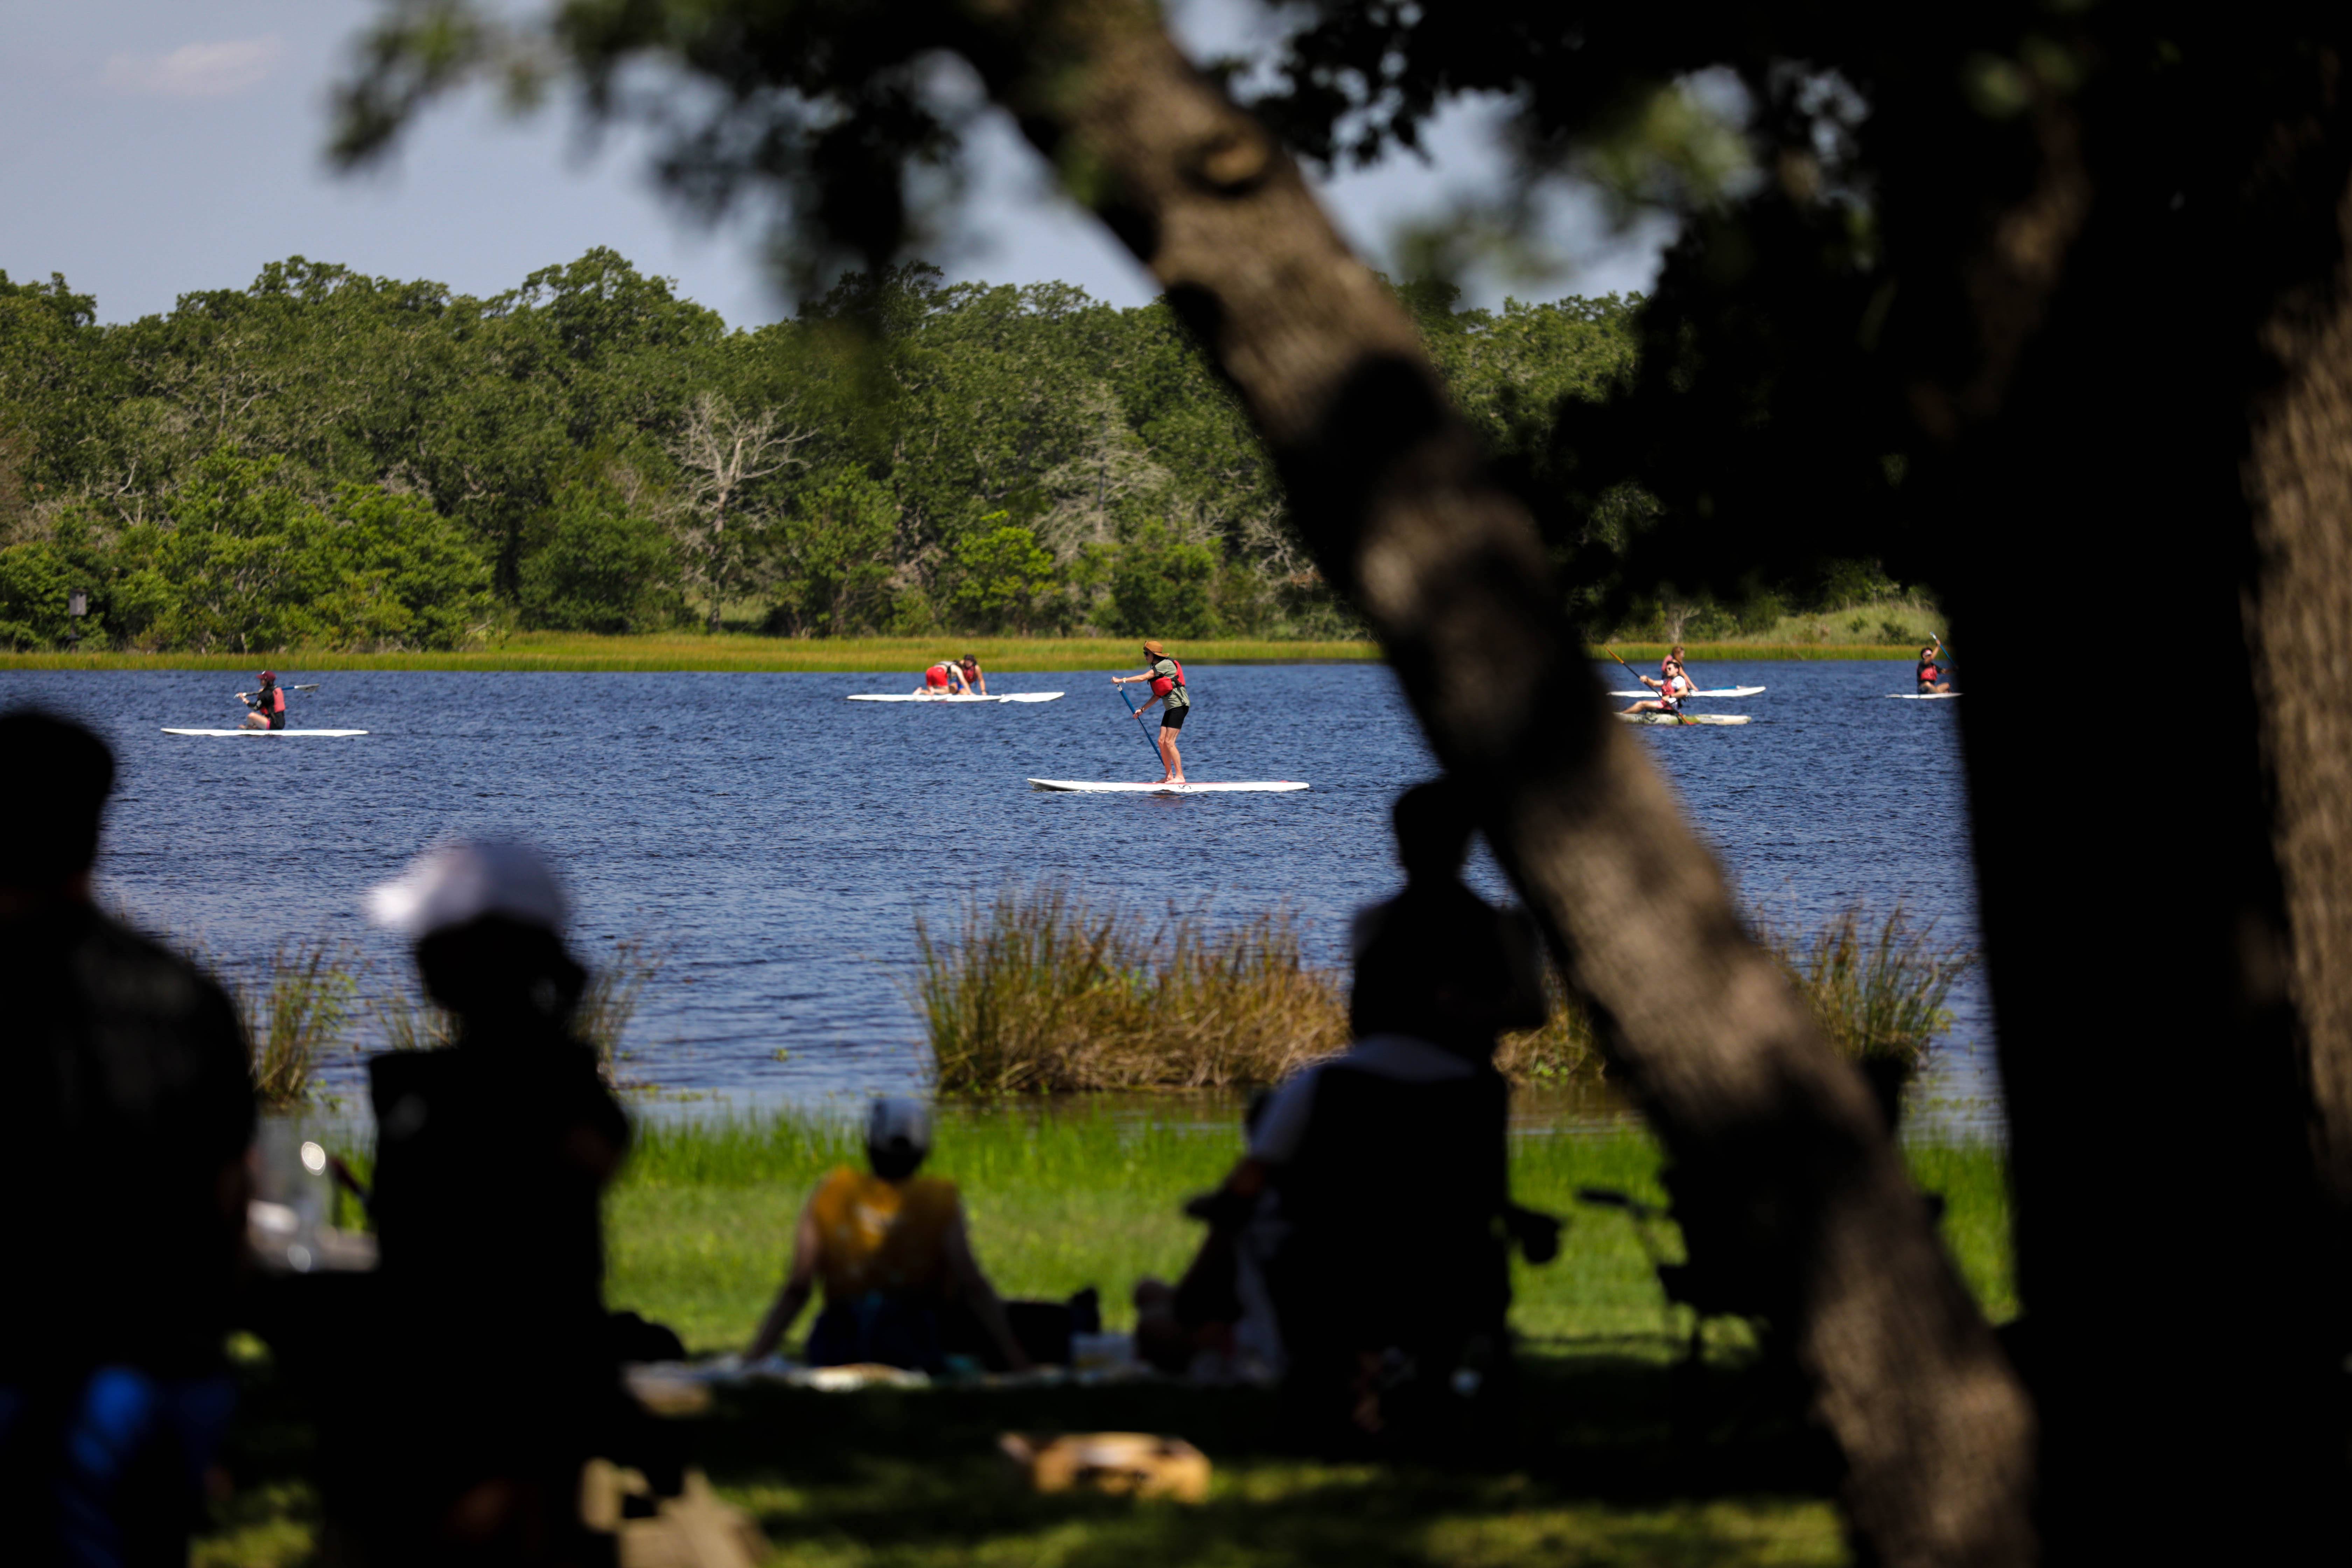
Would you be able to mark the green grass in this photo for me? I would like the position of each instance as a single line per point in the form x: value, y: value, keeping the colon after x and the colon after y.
x: 746, y: 652
x: 736, y: 651
x: 1063, y: 1195
x: 1589, y: 1467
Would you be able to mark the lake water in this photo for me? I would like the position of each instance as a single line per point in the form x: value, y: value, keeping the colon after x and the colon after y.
x: 777, y: 842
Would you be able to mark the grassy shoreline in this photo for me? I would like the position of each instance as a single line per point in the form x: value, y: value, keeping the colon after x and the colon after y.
x: 740, y: 653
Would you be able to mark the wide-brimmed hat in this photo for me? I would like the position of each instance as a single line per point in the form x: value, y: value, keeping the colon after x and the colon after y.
x: 1153, y: 647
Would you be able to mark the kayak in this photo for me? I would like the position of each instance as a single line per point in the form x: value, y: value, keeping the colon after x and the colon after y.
x: 959, y: 696
x: 1710, y: 691
x: 169, y: 731
x: 1684, y: 718
x: 1919, y: 696
x: 1075, y: 786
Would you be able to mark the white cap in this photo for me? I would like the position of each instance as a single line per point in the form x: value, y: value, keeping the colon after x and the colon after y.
x: 456, y: 883
x: 898, y: 1126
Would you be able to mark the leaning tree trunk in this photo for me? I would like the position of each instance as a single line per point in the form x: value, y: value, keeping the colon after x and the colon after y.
x: 2097, y: 402
x: 1788, y: 1172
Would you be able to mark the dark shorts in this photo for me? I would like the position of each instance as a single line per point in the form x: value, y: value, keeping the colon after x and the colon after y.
x: 1174, y: 718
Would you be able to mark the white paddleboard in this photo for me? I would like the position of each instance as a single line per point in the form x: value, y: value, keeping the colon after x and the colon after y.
x: 1681, y: 719
x: 1076, y: 786
x: 1710, y: 691
x: 169, y: 731
x: 959, y: 697
x: 1919, y: 696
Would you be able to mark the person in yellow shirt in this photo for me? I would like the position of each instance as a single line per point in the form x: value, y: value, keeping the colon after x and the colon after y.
x: 891, y: 1250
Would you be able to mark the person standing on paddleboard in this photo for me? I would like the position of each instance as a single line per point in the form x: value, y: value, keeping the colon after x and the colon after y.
x: 1167, y: 679
x: 268, y: 704
x: 1933, y: 678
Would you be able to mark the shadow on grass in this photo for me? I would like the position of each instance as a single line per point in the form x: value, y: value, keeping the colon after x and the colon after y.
x: 1589, y: 1463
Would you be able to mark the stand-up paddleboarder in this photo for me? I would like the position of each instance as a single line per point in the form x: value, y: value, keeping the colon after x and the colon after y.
x: 1167, y: 679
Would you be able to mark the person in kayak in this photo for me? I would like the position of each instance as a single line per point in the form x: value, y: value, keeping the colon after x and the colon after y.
x: 944, y: 678
x: 1933, y: 678
x: 1672, y: 686
x: 1167, y: 679
x: 974, y: 679
x: 267, y: 704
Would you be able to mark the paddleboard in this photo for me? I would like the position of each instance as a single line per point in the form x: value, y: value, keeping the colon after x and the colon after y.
x: 959, y: 697
x: 1684, y: 718
x: 1710, y: 691
x: 1076, y: 786
x: 169, y: 731
x: 1919, y: 696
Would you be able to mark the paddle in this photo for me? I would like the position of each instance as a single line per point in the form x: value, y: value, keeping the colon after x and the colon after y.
x: 1137, y: 714
x: 1679, y: 718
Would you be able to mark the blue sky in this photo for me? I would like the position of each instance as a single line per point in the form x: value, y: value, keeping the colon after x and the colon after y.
x: 158, y: 146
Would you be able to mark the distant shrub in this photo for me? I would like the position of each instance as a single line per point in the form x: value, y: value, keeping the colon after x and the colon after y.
x: 1877, y: 988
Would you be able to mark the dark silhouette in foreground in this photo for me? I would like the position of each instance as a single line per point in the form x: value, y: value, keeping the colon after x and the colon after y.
x: 488, y: 1375
x: 122, y: 1164
x: 1371, y: 1215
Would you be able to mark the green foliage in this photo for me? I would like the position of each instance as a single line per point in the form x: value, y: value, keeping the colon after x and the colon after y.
x: 1002, y: 579
x: 931, y: 458
x: 1163, y: 586
x: 36, y: 581
x: 603, y: 568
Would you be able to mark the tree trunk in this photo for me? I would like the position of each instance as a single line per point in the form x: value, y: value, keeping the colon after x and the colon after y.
x: 1784, y: 1169
x: 2300, y: 627
x: 2088, y: 441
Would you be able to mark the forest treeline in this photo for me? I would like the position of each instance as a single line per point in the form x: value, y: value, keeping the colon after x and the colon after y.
x: 329, y: 459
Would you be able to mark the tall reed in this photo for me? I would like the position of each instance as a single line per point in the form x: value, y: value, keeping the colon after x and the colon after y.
x: 1040, y: 992
x: 297, y: 1017
x: 1877, y: 988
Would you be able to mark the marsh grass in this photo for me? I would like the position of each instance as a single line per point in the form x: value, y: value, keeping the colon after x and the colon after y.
x: 1877, y: 988
x: 1043, y: 993
x: 297, y: 1017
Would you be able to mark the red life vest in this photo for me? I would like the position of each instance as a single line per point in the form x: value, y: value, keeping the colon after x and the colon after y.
x: 275, y: 700
x: 1161, y: 684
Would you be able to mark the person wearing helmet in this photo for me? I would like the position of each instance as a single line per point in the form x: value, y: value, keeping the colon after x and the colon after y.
x: 490, y: 1377
x: 267, y: 704
x: 891, y: 1250
x: 1167, y: 679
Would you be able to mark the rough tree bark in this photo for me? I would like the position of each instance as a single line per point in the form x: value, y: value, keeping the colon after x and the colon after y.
x: 2101, y: 410
x: 1778, y: 1140
x: 2299, y: 623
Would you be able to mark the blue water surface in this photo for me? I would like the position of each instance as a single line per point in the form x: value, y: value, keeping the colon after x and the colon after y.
x: 777, y: 842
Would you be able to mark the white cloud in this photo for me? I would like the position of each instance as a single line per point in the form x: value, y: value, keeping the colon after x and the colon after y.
x: 197, y: 70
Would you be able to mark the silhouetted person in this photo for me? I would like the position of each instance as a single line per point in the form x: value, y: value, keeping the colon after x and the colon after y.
x: 129, y: 1109
x: 498, y: 1380
x: 1383, y: 1173
x: 891, y: 1250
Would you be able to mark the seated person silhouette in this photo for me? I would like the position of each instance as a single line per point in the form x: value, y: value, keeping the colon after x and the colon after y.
x: 491, y: 1378
x: 892, y: 1253
x: 1374, y: 1195
x: 128, y: 1113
